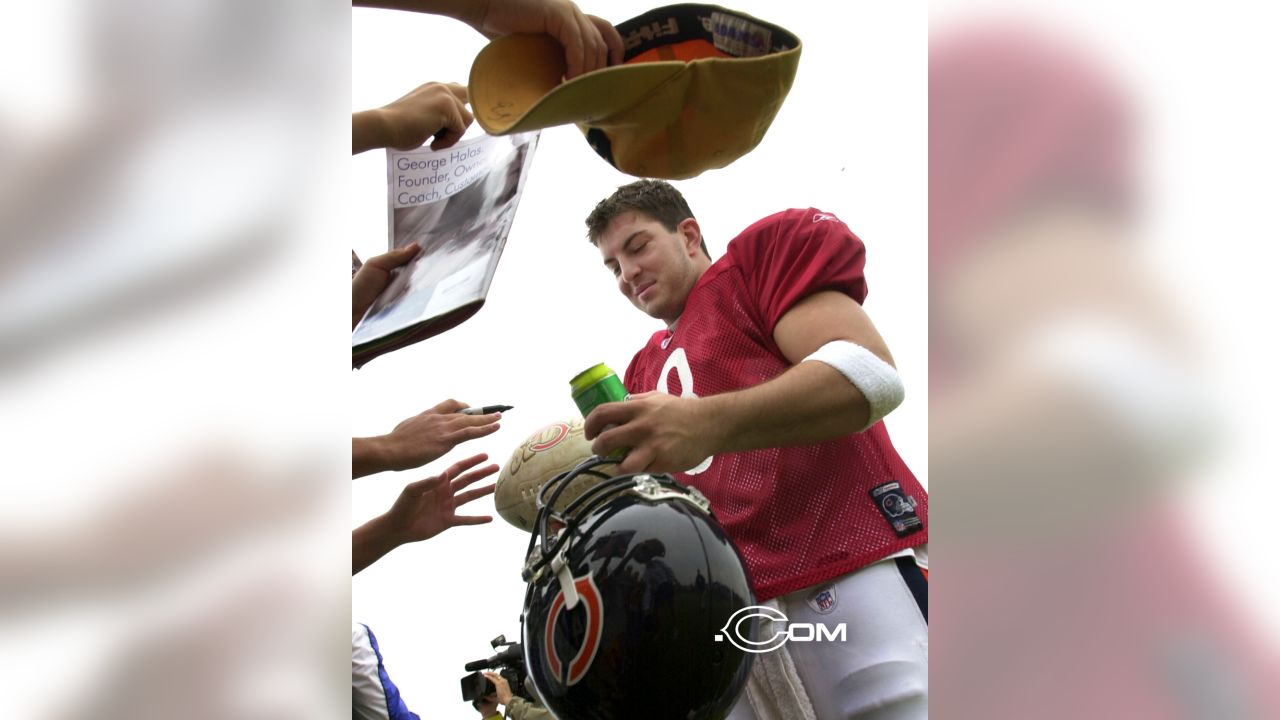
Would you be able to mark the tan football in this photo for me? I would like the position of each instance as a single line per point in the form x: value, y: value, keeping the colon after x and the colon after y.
x: 552, y: 450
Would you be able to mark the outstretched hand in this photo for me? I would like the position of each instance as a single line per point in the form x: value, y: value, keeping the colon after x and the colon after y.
x: 434, y: 110
x: 428, y: 507
x: 424, y: 509
x: 421, y: 439
x: 374, y: 276
x: 589, y: 42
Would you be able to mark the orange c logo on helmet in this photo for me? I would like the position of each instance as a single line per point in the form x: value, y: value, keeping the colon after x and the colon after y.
x: 589, y: 596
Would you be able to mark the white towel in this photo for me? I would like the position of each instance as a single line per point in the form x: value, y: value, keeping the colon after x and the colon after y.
x: 773, y: 687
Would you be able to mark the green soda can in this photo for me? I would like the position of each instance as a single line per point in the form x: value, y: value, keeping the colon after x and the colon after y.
x: 595, y: 386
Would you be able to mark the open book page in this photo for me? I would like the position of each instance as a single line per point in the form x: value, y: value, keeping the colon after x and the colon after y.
x: 458, y: 205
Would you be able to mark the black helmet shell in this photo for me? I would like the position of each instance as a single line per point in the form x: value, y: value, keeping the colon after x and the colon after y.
x: 656, y: 580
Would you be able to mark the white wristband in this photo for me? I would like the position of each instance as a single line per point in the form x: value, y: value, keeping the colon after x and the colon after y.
x: 876, y: 379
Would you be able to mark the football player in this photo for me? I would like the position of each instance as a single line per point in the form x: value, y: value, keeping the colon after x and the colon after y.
x: 765, y: 390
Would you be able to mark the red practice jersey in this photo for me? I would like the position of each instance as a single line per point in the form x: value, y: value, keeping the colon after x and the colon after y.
x: 799, y: 515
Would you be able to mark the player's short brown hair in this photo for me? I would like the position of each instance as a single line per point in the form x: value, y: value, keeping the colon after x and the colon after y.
x: 656, y: 199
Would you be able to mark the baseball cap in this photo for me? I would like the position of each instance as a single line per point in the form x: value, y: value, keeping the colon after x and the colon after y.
x: 698, y: 87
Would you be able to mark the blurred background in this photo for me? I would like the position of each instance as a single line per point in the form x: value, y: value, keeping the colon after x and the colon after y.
x: 176, y: 204
x: 172, y: 359
x: 1099, y: 412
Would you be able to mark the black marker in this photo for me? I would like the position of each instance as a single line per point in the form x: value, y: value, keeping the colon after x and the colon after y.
x: 485, y: 410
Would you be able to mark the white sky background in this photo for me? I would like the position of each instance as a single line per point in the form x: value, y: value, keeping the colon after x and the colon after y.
x: 850, y: 139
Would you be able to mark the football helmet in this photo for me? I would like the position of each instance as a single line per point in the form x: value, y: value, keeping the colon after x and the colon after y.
x: 630, y: 586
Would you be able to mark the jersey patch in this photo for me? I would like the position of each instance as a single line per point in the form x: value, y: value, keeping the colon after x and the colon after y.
x: 898, y: 508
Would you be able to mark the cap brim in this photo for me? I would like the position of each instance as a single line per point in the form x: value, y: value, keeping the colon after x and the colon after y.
x: 515, y: 86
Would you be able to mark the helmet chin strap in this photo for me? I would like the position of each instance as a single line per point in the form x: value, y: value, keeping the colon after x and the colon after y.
x: 565, y: 576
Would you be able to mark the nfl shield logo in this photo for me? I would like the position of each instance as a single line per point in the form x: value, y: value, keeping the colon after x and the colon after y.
x: 824, y: 601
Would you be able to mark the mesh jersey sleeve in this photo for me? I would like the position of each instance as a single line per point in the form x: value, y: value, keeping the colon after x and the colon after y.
x: 786, y: 257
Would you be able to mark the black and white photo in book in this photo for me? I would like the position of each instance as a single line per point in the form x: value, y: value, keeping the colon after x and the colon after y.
x: 457, y: 204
